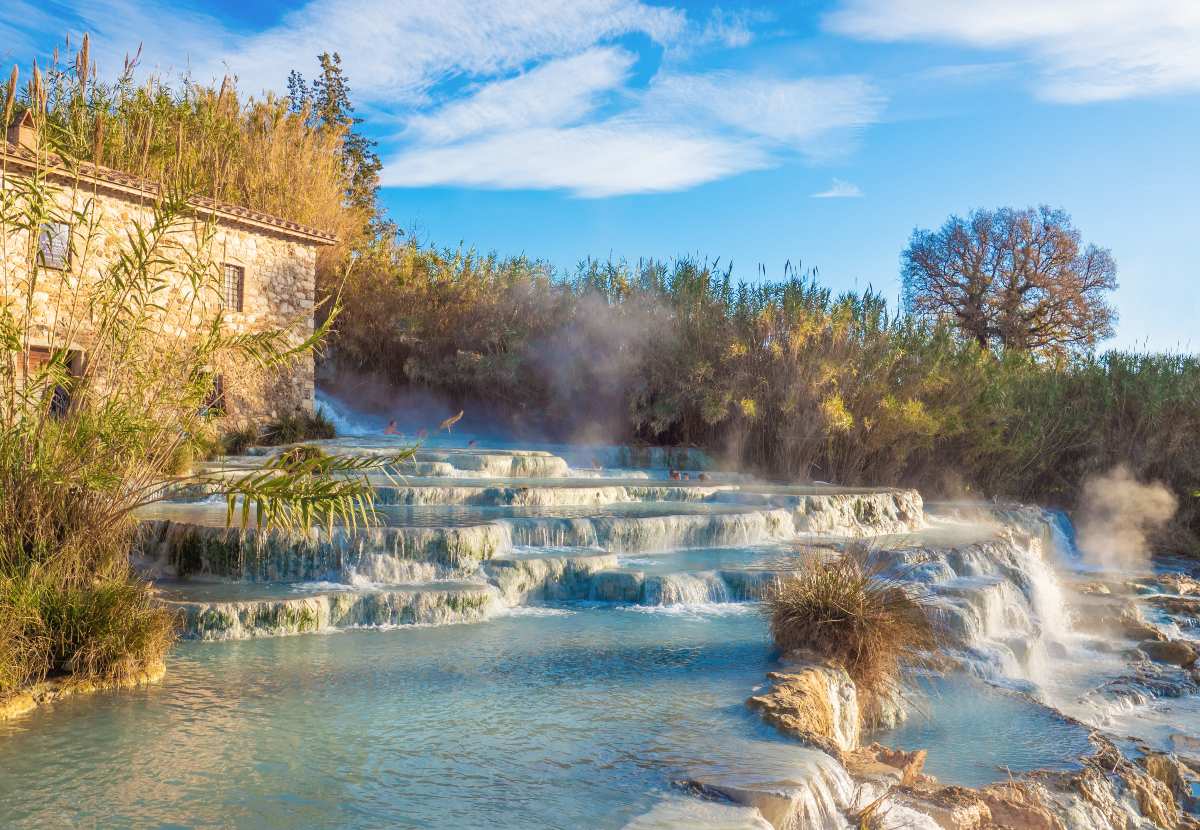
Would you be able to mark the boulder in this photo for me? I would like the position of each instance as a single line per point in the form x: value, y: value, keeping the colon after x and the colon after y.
x: 1180, y: 583
x: 1154, y: 798
x: 816, y: 703
x: 884, y: 765
x: 1173, y: 652
x: 1020, y: 805
x: 1177, y: 606
x: 952, y: 808
x: 1173, y: 774
x: 1135, y: 628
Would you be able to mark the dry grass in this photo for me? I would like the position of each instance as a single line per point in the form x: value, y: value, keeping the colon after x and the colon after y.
x: 73, y: 478
x: 849, y: 612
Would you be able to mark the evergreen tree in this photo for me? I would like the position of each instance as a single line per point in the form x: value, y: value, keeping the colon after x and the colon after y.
x: 329, y: 100
x: 299, y: 94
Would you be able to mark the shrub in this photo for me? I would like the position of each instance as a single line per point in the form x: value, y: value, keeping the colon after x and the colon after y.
x: 783, y: 378
x: 111, y: 630
x: 300, y: 454
x: 73, y: 476
x: 298, y: 426
x: 237, y: 441
x: 847, y: 611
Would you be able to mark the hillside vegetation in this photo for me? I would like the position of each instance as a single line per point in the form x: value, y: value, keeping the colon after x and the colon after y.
x: 783, y: 377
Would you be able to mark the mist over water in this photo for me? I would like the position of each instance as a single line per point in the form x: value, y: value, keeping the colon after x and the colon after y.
x: 1117, y: 513
x: 577, y: 618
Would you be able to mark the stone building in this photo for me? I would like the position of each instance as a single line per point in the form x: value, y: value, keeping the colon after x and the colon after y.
x: 267, y: 267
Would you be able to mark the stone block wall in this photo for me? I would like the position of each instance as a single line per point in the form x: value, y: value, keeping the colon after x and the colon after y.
x: 278, y: 293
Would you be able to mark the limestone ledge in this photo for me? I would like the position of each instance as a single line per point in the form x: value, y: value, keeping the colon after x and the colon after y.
x: 246, y: 619
x: 818, y: 704
x: 547, y: 579
x: 380, y: 554
x: 60, y: 688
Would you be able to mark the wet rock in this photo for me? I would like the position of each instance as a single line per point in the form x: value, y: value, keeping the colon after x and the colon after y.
x: 1177, y: 606
x: 952, y: 808
x: 883, y: 709
x: 1186, y: 745
x: 816, y: 703
x: 688, y: 811
x: 554, y: 578
x: 813, y: 792
x: 51, y: 691
x: 1133, y: 626
x: 276, y: 617
x: 1173, y: 652
x: 617, y: 586
x: 1020, y: 805
x: 1148, y: 679
x: 1154, y: 798
x: 1177, y: 777
x: 1180, y: 583
x: 887, y: 766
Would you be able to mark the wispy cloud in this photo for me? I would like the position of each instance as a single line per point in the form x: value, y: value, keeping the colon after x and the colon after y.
x: 733, y: 29
x: 399, y: 51
x: 839, y: 189
x: 792, y: 111
x: 608, y: 159
x: 734, y: 123
x: 556, y: 92
x: 544, y: 94
x: 1084, y: 50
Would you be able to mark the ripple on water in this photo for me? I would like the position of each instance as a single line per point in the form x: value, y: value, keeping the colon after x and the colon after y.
x: 575, y: 720
x: 975, y: 733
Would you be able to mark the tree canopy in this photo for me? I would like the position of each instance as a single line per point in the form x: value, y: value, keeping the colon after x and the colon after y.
x: 1013, y: 280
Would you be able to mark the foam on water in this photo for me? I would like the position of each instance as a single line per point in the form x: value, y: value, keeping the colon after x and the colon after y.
x: 535, y: 611
x: 675, y: 812
x: 695, y: 610
x: 596, y: 586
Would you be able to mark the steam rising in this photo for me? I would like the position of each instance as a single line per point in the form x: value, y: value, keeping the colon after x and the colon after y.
x: 1116, y: 514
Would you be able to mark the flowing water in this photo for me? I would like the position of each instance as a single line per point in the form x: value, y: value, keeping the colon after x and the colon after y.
x: 559, y: 646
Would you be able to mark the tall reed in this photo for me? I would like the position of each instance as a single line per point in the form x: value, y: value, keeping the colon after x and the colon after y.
x: 129, y: 330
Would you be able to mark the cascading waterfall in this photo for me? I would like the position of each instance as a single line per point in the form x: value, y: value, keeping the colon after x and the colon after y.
x: 685, y: 589
x: 998, y: 601
x: 471, y: 533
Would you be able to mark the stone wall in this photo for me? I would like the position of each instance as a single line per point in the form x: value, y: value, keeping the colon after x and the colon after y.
x: 279, y: 288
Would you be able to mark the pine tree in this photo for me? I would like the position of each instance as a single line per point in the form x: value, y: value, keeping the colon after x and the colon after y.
x: 299, y: 95
x: 329, y: 100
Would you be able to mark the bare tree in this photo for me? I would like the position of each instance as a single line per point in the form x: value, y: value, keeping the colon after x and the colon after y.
x: 1013, y: 279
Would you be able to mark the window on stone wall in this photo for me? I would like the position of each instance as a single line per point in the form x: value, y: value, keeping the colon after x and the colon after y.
x: 234, y: 286
x: 214, y: 402
x: 58, y: 400
x: 54, y: 245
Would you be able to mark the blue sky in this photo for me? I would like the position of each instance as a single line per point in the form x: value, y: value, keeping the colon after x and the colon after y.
x: 820, y: 132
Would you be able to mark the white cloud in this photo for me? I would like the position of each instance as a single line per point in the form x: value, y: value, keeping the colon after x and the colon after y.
x: 732, y: 29
x: 556, y: 92
x: 1086, y: 50
x: 174, y: 40
x: 398, y: 51
x: 786, y: 110
x: 512, y: 93
x: 608, y: 159
x: 394, y: 51
x: 839, y: 189
x: 735, y: 123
